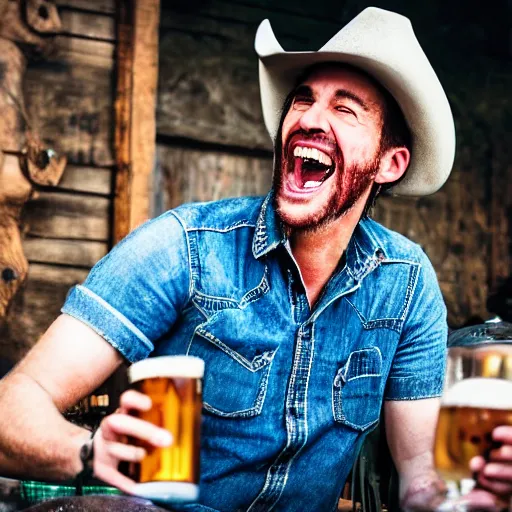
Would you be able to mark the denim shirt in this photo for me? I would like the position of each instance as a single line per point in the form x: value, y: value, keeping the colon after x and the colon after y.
x: 289, y: 391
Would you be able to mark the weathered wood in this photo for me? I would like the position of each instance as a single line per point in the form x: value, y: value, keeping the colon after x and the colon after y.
x: 208, y: 89
x: 76, y: 253
x: 19, y: 17
x: 40, y: 165
x: 34, y: 309
x: 136, y: 104
x: 88, y: 24
x: 42, y: 16
x: 123, y: 118
x: 63, y: 215
x: 98, y: 180
x: 97, y: 6
x: 13, y: 264
x: 189, y: 175
x: 304, y: 30
x: 70, y: 104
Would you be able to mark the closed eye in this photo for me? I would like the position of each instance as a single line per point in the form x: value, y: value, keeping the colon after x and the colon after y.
x: 301, y: 102
x: 345, y: 110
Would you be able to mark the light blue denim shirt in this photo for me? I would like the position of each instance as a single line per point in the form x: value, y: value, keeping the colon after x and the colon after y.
x: 289, y: 391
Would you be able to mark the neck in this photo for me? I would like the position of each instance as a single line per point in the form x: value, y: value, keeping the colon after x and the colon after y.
x: 318, y: 252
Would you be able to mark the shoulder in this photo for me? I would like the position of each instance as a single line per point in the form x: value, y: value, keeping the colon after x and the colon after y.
x: 222, y: 215
x: 396, y: 246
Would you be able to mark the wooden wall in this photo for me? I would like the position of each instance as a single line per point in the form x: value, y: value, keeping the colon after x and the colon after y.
x: 69, y: 98
x: 212, y: 142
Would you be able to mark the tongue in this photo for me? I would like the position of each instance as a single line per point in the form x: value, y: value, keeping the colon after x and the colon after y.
x: 308, y: 172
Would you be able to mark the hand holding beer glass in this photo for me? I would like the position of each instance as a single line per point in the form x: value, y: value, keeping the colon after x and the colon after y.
x: 165, y: 400
x: 477, y: 398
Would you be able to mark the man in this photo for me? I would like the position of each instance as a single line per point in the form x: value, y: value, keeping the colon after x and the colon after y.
x: 307, y: 314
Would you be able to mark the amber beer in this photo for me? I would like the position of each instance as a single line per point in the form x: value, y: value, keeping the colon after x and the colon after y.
x: 174, y: 385
x: 470, y: 410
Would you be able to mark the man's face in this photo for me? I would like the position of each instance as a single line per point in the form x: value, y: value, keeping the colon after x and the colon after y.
x: 330, y: 147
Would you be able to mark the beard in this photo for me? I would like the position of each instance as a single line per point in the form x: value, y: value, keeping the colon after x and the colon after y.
x: 350, y: 184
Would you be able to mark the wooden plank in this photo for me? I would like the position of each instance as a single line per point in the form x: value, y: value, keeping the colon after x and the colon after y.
x: 302, y: 31
x: 77, y: 253
x: 70, y: 103
x: 36, y: 306
x: 97, y: 180
x: 136, y: 104
x: 208, y: 91
x: 64, y: 215
x: 99, y: 6
x: 87, y: 24
x: 190, y: 175
x: 123, y: 119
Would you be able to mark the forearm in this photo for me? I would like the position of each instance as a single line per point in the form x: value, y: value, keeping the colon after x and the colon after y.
x: 35, y: 439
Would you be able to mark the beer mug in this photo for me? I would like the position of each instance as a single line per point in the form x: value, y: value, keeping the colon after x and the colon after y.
x: 477, y: 397
x: 174, y: 384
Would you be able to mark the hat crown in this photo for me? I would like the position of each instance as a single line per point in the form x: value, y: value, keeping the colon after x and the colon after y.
x: 371, y: 25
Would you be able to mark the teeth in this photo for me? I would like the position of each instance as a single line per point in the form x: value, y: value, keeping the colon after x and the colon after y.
x: 313, y: 154
x: 311, y: 184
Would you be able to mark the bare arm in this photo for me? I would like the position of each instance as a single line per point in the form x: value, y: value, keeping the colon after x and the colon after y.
x: 410, y: 428
x: 69, y: 362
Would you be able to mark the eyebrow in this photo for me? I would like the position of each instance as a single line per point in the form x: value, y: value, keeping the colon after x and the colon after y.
x: 303, y: 90
x: 348, y: 95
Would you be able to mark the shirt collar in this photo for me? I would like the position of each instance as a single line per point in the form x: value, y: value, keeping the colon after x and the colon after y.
x: 268, y: 234
x: 364, y: 251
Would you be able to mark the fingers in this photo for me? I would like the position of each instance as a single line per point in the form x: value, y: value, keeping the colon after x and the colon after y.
x: 112, y: 476
x: 133, y: 400
x: 125, y: 452
x: 115, y: 426
x: 492, y: 484
x: 503, y: 434
x: 501, y: 454
x: 476, y: 464
x: 498, y: 471
x: 480, y: 500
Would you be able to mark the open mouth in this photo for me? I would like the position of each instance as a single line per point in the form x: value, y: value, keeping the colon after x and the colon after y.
x: 311, y: 167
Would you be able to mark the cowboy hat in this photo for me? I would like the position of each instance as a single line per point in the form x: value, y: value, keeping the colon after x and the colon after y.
x: 383, y: 44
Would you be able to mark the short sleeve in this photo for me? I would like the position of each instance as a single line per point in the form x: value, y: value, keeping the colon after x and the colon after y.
x: 419, y: 363
x: 134, y: 294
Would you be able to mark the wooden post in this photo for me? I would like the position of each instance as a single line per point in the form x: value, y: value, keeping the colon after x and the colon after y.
x: 137, y: 73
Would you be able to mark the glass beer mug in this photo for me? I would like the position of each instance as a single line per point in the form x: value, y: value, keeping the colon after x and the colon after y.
x: 477, y: 397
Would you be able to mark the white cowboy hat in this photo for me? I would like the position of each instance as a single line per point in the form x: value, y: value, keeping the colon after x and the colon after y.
x: 383, y: 44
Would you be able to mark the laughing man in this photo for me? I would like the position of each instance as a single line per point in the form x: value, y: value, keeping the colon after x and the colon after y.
x: 309, y: 315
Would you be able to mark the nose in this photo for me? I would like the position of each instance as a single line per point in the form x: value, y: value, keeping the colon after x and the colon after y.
x: 315, y: 119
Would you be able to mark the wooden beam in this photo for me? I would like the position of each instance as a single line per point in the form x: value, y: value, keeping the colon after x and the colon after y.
x: 137, y: 73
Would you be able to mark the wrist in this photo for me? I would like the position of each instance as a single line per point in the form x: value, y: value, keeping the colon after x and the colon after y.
x: 82, y: 452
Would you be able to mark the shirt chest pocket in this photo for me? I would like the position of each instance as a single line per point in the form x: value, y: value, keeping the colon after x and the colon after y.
x: 357, y: 389
x: 238, y: 360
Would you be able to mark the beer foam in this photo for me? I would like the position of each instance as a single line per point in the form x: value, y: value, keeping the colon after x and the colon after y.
x: 485, y: 393
x: 167, y: 366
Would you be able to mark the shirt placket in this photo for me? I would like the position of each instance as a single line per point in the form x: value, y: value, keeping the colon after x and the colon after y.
x: 296, y: 400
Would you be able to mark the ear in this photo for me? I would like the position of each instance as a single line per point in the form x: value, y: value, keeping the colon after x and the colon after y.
x: 393, y: 164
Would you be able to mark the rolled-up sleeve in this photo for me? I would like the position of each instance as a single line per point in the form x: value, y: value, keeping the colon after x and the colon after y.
x: 135, y: 293
x: 418, y: 365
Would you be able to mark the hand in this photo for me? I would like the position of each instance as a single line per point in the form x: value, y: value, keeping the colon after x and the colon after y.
x: 424, y: 493
x: 494, y: 476
x: 109, y: 448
